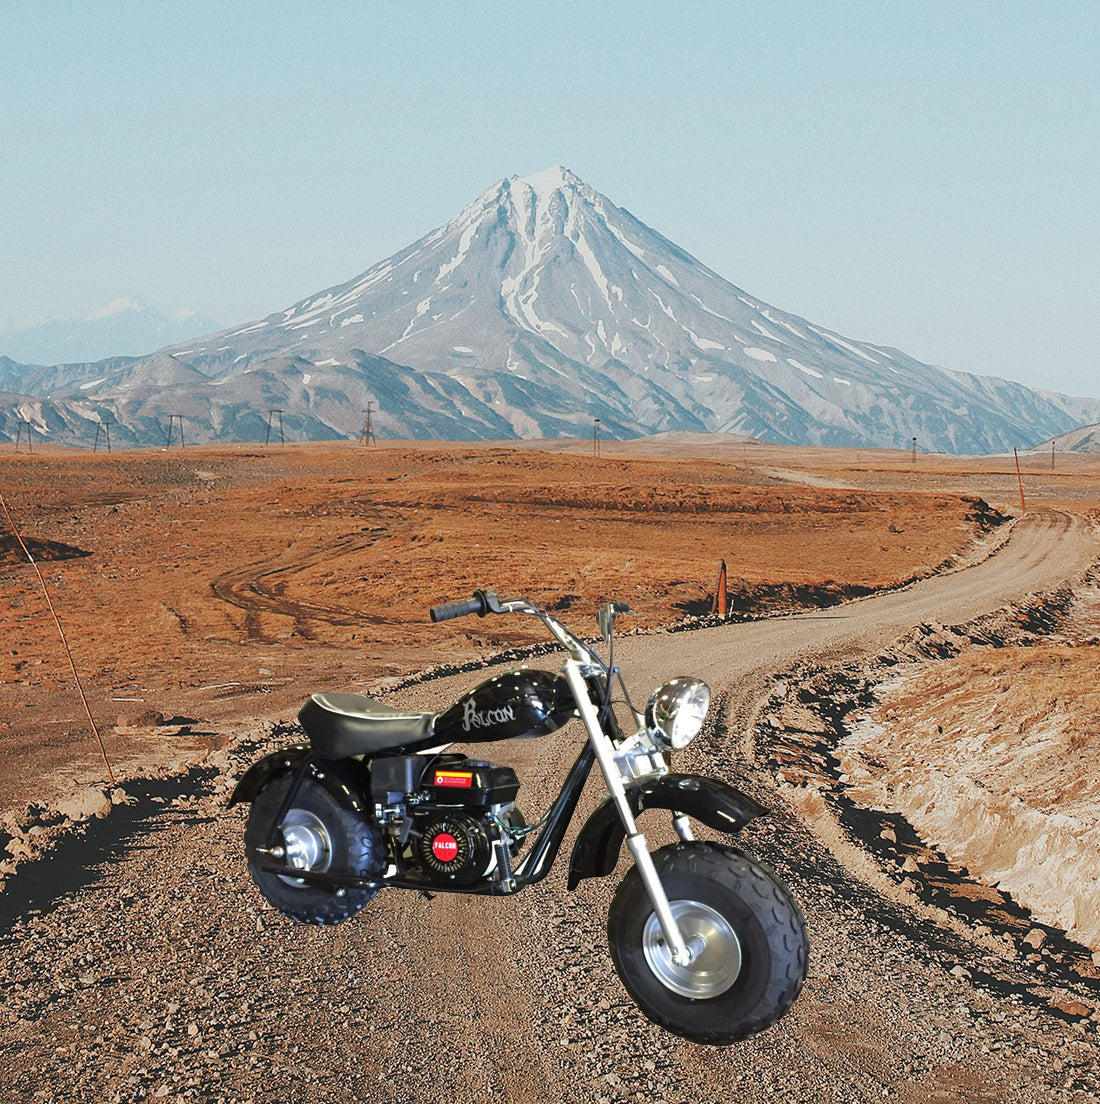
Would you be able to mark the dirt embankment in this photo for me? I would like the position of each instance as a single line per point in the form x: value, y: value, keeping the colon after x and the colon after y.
x: 994, y: 758
x: 956, y: 773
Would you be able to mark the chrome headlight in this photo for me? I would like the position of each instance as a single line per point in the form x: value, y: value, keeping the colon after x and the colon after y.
x: 675, y: 713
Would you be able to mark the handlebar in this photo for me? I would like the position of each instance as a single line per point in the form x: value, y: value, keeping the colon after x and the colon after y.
x: 449, y: 610
x: 487, y: 601
x: 483, y: 602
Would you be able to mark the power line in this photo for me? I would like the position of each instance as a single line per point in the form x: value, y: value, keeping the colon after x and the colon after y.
x: 64, y: 642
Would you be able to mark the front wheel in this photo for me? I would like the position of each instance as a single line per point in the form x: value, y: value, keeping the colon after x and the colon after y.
x: 745, y: 932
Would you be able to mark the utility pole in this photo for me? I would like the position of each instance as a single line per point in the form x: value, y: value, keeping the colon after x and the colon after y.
x: 914, y: 450
x: 367, y: 436
x: 105, y: 426
x: 282, y: 439
x: 596, y: 439
x: 720, y: 606
x: 19, y: 434
x: 172, y: 419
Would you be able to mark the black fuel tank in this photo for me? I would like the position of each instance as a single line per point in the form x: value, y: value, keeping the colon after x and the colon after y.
x: 510, y: 706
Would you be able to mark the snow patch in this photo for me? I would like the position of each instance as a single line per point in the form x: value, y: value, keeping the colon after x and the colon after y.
x: 843, y: 344
x: 786, y: 325
x: 422, y: 308
x: 94, y: 383
x: 584, y: 250
x: 760, y: 354
x: 703, y: 342
x: 662, y: 271
x: 802, y: 368
x: 464, y: 244
x: 661, y: 304
x: 763, y: 331
x: 627, y: 244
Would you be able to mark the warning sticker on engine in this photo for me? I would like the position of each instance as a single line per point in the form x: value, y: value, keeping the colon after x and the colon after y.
x: 454, y: 778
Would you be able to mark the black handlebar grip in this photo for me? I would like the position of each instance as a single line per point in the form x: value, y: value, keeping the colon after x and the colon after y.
x: 450, y: 610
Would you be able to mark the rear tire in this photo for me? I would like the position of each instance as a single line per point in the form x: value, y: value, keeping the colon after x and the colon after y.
x: 746, y: 931
x: 317, y: 834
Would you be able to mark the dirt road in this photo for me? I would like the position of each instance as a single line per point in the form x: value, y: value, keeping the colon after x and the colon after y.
x: 169, y: 978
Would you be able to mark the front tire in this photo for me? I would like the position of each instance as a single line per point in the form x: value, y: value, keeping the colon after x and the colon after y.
x: 747, y: 934
x: 319, y: 835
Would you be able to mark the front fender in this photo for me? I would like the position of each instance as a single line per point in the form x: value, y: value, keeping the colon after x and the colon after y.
x: 718, y: 806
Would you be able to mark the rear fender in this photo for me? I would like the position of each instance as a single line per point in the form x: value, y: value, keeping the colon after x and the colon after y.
x: 718, y: 806
x: 335, y: 777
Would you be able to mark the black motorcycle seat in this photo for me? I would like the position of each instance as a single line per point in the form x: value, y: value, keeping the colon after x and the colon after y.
x: 342, y: 725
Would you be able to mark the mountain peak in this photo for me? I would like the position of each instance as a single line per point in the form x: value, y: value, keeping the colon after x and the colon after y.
x: 551, y: 180
x: 120, y: 306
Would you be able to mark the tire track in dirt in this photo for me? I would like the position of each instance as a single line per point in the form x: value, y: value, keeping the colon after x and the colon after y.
x: 261, y: 588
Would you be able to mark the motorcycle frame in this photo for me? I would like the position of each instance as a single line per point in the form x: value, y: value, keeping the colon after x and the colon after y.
x: 584, y: 673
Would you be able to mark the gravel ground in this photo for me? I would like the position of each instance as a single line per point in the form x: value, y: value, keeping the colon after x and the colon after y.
x: 169, y: 978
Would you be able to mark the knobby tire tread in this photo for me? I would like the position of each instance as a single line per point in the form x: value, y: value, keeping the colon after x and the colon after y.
x: 762, y: 894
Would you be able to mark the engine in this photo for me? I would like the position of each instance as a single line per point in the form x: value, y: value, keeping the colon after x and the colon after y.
x: 450, y: 819
x: 455, y: 848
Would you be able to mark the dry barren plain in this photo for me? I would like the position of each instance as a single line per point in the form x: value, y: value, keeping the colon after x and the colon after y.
x: 906, y: 679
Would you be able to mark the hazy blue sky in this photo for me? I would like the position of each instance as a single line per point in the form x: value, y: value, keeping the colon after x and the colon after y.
x: 924, y: 175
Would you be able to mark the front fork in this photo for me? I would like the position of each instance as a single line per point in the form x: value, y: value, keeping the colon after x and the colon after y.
x: 635, y: 841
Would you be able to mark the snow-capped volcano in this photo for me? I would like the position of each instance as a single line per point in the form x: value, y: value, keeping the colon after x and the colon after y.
x: 541, y: 306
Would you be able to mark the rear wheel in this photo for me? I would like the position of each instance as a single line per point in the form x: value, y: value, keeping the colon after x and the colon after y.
x: 317, y: 835
x: 746, y: 935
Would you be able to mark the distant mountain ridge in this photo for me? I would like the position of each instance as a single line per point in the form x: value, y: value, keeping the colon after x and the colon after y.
x: 126, y: 327
x: 1083, y: 439
x: 539, y: 308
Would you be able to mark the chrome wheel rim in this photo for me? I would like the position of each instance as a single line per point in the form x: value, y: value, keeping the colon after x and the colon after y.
x: 715, y: 951
x: 307, y: 844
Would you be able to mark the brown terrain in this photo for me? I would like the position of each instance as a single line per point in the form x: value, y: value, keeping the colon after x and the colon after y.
x: 906, y: 679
